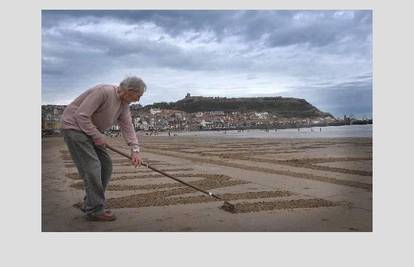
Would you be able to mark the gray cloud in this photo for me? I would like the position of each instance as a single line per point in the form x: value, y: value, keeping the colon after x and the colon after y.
x: 350, y: 98
x: 281, y: 27
x: 327, y: 52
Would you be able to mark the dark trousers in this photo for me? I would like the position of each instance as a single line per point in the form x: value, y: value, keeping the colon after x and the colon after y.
x: 94, y: 166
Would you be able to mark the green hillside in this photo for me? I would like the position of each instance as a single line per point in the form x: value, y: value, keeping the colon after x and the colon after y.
x: 281, y: 106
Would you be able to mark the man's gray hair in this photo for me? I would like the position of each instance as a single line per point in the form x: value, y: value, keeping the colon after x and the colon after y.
x: 133, y: 83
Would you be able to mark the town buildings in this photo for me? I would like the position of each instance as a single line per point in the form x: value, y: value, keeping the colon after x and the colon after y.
x: 176, y: 120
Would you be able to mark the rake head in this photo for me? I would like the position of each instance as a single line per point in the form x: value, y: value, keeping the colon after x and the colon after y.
x: 228, y: 207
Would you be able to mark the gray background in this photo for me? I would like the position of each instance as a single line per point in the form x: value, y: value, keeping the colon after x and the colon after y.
x: 24, y: 244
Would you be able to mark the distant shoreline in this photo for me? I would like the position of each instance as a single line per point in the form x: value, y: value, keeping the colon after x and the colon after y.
x: 341, y: 131
x: 272, y: 127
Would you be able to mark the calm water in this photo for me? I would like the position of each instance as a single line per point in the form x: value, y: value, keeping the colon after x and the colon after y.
x: 316, y: 132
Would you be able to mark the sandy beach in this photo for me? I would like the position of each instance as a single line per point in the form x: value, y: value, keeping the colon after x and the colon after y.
x: 280, y: 185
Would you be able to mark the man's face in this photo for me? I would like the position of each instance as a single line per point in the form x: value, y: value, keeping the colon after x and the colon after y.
x: 131, y: 96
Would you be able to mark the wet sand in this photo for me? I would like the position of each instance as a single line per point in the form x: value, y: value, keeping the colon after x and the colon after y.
x: 276, y: 185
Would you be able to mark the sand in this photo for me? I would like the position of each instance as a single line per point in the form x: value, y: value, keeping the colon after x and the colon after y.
x: 289, y: 185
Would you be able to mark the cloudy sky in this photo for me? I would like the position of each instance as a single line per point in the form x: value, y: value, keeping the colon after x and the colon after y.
x: 324, y: 57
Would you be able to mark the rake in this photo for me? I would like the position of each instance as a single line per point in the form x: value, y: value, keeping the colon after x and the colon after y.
x: 227, y: 206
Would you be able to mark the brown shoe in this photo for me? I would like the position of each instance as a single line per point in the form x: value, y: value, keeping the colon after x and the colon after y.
x: 102, y: 217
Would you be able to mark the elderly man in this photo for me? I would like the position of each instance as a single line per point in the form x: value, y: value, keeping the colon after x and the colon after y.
x: 83, y: 123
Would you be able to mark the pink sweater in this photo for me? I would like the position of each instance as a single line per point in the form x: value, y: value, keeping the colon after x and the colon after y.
x: 98, y: 109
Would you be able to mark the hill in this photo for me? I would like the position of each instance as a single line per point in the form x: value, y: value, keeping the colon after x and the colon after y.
x: 281, y: 106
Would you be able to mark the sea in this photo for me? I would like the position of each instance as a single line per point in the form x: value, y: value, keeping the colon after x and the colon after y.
x: 314, y: 132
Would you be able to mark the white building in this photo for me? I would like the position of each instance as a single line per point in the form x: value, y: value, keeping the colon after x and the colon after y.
x: 154, y: 111
x: 261, y: 115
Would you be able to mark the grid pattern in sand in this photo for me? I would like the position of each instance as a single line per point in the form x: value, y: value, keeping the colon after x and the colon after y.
x: 143, y: 188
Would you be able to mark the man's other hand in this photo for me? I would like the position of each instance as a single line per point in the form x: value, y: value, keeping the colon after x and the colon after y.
x: 136, y: 159
x: 99, y: 142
